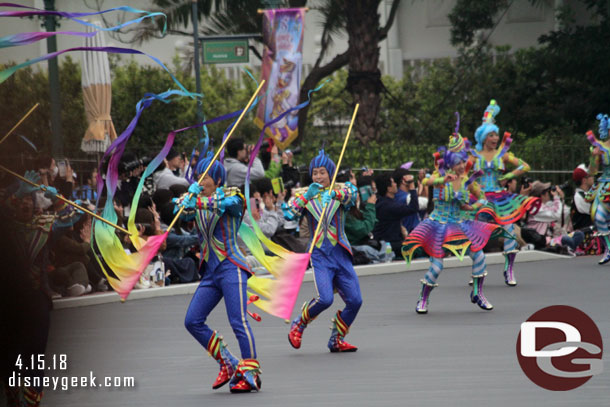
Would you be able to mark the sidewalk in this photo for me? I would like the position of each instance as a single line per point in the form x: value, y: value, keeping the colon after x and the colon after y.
x: 365, y: 270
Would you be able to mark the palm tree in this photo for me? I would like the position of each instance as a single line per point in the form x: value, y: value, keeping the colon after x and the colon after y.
x: 358, y: 18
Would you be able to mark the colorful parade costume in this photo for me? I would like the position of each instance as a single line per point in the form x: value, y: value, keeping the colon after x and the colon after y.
x: 599, y: 194
x: 503, y: 207
x: 225, y: 274
x: 331, y: 258
x: 450, y: 229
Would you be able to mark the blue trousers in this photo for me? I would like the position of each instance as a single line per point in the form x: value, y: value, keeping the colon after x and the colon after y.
x: 228, y: 281
x: 334, y: 270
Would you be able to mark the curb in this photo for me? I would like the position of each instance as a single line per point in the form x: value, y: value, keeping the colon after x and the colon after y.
x: 365, y: 270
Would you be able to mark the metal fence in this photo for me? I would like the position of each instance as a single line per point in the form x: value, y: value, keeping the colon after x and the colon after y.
x: 548, y: 163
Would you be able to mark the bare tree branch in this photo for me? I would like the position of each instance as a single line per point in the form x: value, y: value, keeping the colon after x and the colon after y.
x: 383, y: 33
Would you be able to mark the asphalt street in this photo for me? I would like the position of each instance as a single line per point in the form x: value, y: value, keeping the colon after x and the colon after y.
x: 454, y: 356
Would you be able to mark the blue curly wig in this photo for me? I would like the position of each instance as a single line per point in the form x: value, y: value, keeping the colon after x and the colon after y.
x: 217, y: 172
x: 322, y: 160
x: 488, y: 125
x: 603, y: 125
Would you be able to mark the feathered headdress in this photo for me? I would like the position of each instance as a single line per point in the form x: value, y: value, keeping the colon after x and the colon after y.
x: 322, y: 160
x: 603, y: 125
x: 488, y: 125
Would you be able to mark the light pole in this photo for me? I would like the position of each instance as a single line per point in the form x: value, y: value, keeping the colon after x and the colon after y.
x: 194, y: 13
x: 57, y: 146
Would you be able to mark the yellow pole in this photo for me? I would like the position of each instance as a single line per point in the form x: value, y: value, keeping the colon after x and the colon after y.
x: 243, y: 113
x: 19, y: 122
x: 69, y: 202
x: 332, y: 184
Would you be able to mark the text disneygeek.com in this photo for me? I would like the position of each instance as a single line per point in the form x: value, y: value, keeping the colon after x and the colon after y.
x: 69, y: 382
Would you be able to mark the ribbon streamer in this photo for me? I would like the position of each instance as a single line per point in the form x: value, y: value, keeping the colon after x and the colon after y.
x: 74, y: 16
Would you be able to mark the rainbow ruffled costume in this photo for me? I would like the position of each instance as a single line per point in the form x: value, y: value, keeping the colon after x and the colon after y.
x: 599, y: 195
x: 450, y: 229
x: 331, y: 258
x: 503, y: 207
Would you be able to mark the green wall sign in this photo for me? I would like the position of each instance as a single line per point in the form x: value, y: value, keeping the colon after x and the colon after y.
x: 225, y: 51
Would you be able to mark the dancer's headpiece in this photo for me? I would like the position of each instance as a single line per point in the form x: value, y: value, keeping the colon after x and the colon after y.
x: 488, y: 125
x: 322, y: 160
x: 603, y: 125
x: 217, y: 172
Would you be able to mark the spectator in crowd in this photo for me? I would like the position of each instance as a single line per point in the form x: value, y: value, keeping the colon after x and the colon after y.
x: 69, y: 273
x: 148, y: 222
x: 130, y: 169
x: 581, y: 213
x: 177, y: 256
x: 545, y: 229
x: 267, y: 214
x: 291, y: 179
x: 512, y: 186
x: 403, y: 180
x: 290, y: 174
x: 87, y: 191
x: 60, y: 180
x: 236, y: 163
x: 390, y: 212
x: 359, y: 223
x: 421, y: 188
x: 165, y: 178
x: 270, y: 158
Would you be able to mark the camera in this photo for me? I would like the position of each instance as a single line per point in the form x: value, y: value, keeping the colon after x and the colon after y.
x: 62, y: 166
x: 526, y: 181
x: 562, y: 186
x: 297, y: 150
x: 133, y: 164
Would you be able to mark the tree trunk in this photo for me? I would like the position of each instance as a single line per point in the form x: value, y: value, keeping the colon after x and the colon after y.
x: 364, y: 80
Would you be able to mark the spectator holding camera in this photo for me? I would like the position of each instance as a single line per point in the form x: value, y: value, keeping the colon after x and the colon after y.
x: 236, y: 163
x: 268, y: 216
x: 581, y: 213
x: 405, y: 182
x: 58, y: 176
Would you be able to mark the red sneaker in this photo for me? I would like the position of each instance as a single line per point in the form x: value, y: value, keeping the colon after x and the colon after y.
x: 296, y: 332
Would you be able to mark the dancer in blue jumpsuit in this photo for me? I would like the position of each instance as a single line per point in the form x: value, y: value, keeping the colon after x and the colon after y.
x: 225, y: 273
x: 331, y: 258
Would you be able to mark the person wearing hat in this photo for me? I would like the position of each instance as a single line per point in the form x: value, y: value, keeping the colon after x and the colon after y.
x: 583, y: 181
x: 599, y: 195
x: 451, y: 227
x: 505, y: 208
x: 219, y: 211
x: 331, y: 258
x: 165, y: 178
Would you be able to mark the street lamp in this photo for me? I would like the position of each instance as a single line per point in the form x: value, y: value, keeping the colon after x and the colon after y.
x: 50, y: 25
x: 194, y: 13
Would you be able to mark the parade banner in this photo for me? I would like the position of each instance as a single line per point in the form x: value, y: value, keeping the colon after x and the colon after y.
x: 282, y: 60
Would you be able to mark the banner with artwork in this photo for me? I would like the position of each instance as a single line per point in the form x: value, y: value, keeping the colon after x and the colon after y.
x: 282, y: 59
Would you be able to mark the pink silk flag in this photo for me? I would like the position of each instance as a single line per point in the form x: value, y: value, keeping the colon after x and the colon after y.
x: 282, y: 60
